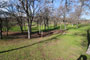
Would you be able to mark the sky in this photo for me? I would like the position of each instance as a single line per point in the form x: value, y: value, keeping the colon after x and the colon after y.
x: 84, y: 16
x: 57, y: 4
x: 4, y: 0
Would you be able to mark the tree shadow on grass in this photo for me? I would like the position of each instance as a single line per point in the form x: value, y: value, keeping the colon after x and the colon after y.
x: 44, y: 41
x: 82, y: 57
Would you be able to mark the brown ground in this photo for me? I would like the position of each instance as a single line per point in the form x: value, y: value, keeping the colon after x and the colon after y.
x: 34, y: 35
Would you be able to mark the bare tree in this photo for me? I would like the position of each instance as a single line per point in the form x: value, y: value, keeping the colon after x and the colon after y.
x: 76, y: 15
x: 19, y: 17
x: 29, y: 7
x: 63, y: 10
x: 2, y: 5
x: 46, y: 17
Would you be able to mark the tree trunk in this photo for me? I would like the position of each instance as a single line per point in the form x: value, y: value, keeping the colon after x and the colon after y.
x: 65, y: 26
x: 60, y: 26
x: 29, y: 34
x: 37, y: 24
x: 55, y: 24
x: 29, y: 28
x: 72, y: 25
x: 77, y: 25
x: 39, y: 29
x: 7, y: 26
x: 45, y: 24
x: 0, y: 29
x: 64, y: 21
x: 21, y: 27
x: 20, y: 23
x: 7, y: 31
x: 42, y: 30
x: 24, y: 26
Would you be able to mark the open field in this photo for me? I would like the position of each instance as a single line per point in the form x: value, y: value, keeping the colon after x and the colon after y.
x: 44, y: 29
x: 69, y: 45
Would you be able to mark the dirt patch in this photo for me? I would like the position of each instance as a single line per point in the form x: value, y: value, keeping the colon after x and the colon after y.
x: 34, y: 35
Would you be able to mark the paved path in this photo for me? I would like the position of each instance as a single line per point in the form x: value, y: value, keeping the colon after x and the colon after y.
x: 88, y: 50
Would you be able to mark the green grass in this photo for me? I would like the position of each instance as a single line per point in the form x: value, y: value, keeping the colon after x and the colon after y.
x: 67, y: 46
x: 34, y: 28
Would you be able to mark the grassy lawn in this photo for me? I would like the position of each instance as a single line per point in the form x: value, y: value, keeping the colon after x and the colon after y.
x: 69, y: 46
